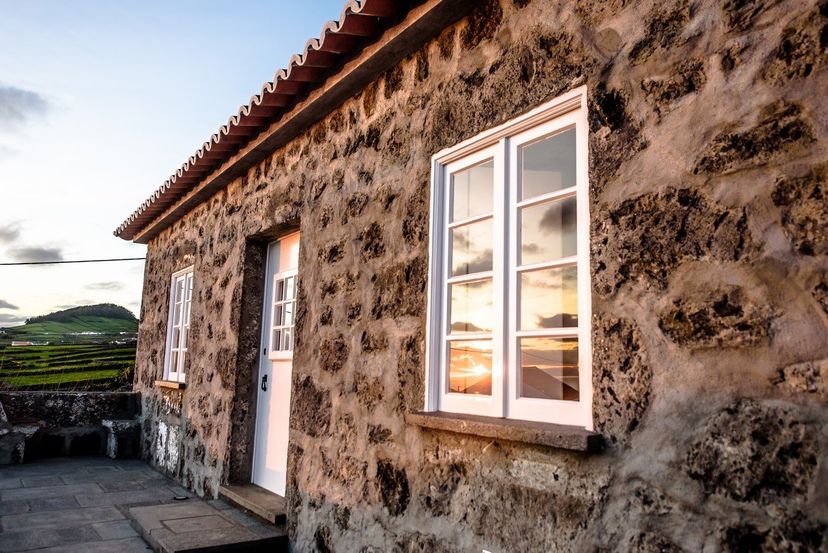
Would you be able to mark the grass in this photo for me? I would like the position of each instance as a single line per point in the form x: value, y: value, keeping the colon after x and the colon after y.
x: 67, y: 367
x: 82, y: 380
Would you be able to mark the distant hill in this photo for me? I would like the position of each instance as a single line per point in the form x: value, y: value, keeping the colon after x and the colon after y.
x: 91, y: 324
x: 105, y: 310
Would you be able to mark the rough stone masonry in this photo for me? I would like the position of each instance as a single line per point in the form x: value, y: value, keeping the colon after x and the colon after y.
x: 709, y: 254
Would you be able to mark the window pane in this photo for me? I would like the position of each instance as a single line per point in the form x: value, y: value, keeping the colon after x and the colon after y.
x: 184, y: 336
x: 279, y: 292
x: 548, y: 231
x: 288, y: 314
x: 471, y: 248
x: 176, y: 337
x: 187, y: 313
x: 277, y: 315
x: 470, y: 367
x: 179, y: 290
x: 288, y: 340
x: 185, y: 364
x: 290, y: 288
x: 471, y: 191
x: 177, y: 314
x: 277, y: 340
x: 548, y: 165
x: 174, y: 361
x: 549, y: 368
x: 189, y: 287
x: 549, y: 298
x: 471, y: 307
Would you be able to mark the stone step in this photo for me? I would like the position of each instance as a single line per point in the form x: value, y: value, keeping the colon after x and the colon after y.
x: 263, y: 503
x: 196, y: 526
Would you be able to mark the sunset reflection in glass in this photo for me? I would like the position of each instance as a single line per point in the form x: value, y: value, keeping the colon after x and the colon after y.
x: 471, y: 307
x: 471, y: 248
x: 470, y: 367
x: 549, y: 298
x: 548, y: 231
x: 549, y: 368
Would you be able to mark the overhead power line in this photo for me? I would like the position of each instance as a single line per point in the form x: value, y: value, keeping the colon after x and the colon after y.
x: 73, y: 261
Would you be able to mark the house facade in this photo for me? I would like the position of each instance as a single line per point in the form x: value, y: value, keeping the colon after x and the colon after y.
x: 510, y: 275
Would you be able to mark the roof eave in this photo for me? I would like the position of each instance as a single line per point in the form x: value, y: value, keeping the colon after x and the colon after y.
x: 418, y: 26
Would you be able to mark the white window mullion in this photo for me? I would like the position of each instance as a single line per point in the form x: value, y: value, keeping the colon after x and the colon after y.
x: 499, y: 281
x: 513, y: 241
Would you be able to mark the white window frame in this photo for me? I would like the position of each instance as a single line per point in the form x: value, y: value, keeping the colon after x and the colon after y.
x: 275, y: 353
x: 184, y: 306
x: 501, y: 144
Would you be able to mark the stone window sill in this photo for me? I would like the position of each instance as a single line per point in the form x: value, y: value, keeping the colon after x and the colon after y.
x: 572, y: 438
x: 171, y: 384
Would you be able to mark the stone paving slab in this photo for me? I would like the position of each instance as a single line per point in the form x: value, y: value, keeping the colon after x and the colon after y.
x: 81, y: 505
x: 131, y: 545
x: 60, y: 519
x: 201, y: 526
x: 50, y: 491
x: 115, y: 530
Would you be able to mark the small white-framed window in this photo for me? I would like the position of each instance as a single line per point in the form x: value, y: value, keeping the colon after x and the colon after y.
x: 509, y: 303
x: 176, y: 359
x: 283, y: 315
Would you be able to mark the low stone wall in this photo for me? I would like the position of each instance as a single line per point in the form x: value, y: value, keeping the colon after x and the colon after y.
x: 70, y: 409
x: 55, y: 424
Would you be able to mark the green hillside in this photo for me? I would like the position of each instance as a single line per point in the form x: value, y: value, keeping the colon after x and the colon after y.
x: 92, y: 324
x: 83, y: 348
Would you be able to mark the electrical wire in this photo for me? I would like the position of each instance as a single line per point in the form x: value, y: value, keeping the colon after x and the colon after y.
x: 73, y: 261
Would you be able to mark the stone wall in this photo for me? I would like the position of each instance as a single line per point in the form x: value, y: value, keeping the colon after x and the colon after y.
x: 67, y: 409
x: 710, y: 301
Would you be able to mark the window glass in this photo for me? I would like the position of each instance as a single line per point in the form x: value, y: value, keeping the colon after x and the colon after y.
x: 471, y: 248
x: 470, y: 367
x: 471, y: 191
x: 471, y: 307
x: 548, y: 165
x: 549, y: 368
x: 548, y: 231
x: 549, y: 298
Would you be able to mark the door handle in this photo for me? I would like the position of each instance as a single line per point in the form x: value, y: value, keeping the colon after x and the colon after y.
x: 264, y: 383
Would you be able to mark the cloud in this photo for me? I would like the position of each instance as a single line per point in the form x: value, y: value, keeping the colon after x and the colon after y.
x: 6, y: 152
x: 18, y: 106
x: 112, y: 285
x: 9, y: 233
x: 6, y: 305
x: 11, y: 319
x: 559, y: 214
x: 34, y: 253
x: 78, y: 303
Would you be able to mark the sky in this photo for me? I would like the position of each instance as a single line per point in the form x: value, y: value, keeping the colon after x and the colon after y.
x: 100, y: 102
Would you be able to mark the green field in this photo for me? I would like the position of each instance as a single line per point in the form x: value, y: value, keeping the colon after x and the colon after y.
x: 67, y: 367
x: 82, y: 348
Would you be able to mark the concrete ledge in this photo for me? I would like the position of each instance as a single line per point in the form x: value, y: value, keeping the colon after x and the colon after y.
x: 171, y: 384
x: 572, y: 438
x: 259, y: 501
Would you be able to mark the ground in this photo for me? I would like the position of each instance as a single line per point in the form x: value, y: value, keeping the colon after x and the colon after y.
x: 83, y: 505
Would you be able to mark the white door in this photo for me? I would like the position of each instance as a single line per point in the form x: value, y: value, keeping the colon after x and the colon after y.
x: 275, y: 365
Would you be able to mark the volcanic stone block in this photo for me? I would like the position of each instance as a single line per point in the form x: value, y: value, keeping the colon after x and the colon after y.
x: 754, y: 452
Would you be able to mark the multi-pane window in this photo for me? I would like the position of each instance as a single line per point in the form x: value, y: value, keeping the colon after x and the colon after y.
x: 283, y: 314
x: 509, y: 285
x: 178, y: 327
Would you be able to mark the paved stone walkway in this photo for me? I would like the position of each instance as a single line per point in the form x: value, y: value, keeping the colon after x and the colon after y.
x: 82, y: 505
